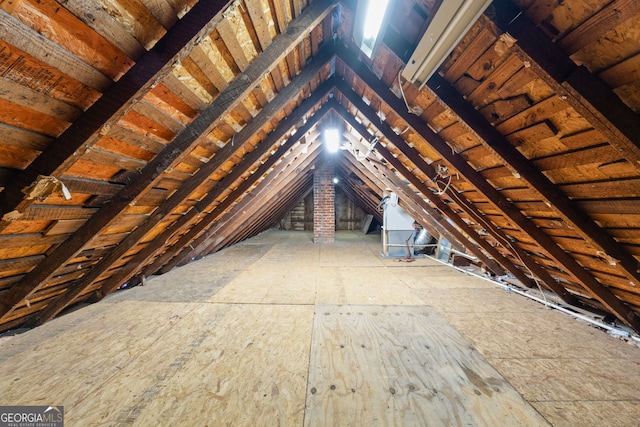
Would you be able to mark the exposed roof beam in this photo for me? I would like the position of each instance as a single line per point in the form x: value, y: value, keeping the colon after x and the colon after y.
x: 409, y: 199
x: 275, y: 189
x: 365, y: 199
x: 552, y: 195
x: 439, y: 203
x: 180, y: 146
x: 138, y: 262
x: 586, y: 93
x: 296, y: 190
x: 114, y: 102
x: 498, y: 235
x: 589, y: 283
x: 120, y: 276
x: 405, y: 200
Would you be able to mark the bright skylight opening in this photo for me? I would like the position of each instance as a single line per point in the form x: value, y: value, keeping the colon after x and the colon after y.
x: 372, y: 23
x: 332, y: 140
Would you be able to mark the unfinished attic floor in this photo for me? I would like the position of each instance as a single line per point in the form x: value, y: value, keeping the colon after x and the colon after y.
x: 278, y: 330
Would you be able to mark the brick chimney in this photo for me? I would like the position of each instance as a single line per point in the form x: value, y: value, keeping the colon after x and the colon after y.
x: 324, y: 227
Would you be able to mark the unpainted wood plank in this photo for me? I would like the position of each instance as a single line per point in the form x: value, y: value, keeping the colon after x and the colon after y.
x: 583, y: 139
x: 162, y: 12
x: 64, y: 226
x: 124, y: 224
x: 86, y: 169
x: 622, y: 73
x: 536, y: 132
x: 22, y: 240
x: 466, y: 56
x: 230, y: 38
x: 23, y: 138
x: 167, y: 109
x: 598, y: 24
x: 232, y: 385
x: 44, y: 212
x: 486, y: 91
x: 16, y: 157
x: 102, y: 157
x: 502, y: 109
x: 538, y: 11
x: 598, y: 154
x: 279, y: 7
x: 604, y: 190
x: 25, y: 251
x: 218, y: 53
x: 517, y: 84
x: 534, y: 114
x: 243, y: 31
x: 183, y: 73
x: 159, y: 116
x: 200, y: 56
x: 137, y: 20
x: 403, y: 365
x: 62, y: 27
x: 146, y: 126
x: 106, y: 25
x: 199, y: 76
x: 19, y: 227
x: 125, y: 149
x: 37, y: 101
x: 133, y: 138
x: 14, y: 267
x: 33, y: 44
x: 23, y: 117
x: 621, y: 206
x: 177, y: 87
x: 22, y: 68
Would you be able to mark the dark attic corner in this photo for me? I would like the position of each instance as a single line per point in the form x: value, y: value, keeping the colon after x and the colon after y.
x: 315, y: 212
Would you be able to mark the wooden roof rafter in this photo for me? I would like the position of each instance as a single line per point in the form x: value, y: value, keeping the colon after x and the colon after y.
x: 553, y: 196
x: 444, y: 208
x: 120, y: 276
x: 582, y: 276
x: 413, y: 204
x: 276, y: 189
x: 173, y: 152
x: 584, y: 91
x: 387, y: 178
x: 367, y: 200
x: 60, y: 154
x: 139, y: 261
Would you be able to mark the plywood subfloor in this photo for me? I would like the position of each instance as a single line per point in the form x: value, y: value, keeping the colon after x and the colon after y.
x: 280, y: 331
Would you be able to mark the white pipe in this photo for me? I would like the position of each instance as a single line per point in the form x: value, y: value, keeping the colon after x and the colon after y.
x: 612, y: 329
